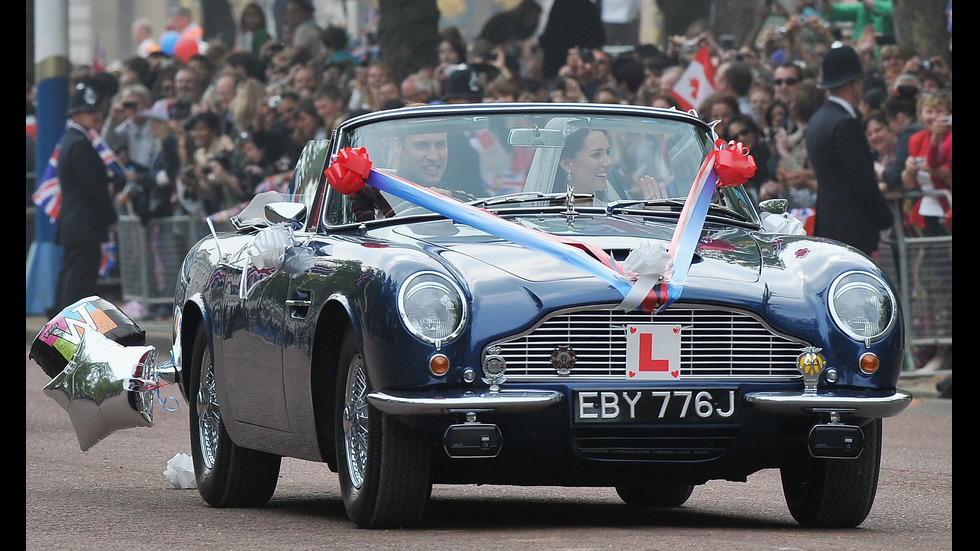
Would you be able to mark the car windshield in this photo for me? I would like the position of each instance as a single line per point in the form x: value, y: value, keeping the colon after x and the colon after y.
x: 533, y: 157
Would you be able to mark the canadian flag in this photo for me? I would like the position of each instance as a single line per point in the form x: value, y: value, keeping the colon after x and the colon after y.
x: 697, y: 82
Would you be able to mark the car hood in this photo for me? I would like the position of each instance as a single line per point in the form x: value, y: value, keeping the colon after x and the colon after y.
x: 724, y: 253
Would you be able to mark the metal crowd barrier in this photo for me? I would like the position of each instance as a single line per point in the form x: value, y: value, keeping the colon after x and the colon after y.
x: 150, y: 255
x: 922, y: 270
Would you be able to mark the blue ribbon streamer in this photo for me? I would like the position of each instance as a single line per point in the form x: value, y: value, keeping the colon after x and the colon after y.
x: 494, y: 225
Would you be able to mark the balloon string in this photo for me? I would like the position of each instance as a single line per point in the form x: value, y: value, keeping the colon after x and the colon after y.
x: 158, y: 386
x: 163, y: 403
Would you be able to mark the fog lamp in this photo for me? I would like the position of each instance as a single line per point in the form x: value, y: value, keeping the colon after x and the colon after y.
x: 494, y: 367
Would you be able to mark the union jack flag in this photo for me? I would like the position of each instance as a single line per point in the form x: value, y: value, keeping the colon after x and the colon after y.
x: 48, y: 194
x: 109, y: 257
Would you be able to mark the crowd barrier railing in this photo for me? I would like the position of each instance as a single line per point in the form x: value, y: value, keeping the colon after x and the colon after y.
x: 921, y: 268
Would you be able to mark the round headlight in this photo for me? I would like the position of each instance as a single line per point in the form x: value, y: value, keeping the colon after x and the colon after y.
x: 863, y: 305
x: 432, y: 307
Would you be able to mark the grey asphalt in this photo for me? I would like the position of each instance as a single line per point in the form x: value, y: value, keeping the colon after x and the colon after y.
x: 158, y: 335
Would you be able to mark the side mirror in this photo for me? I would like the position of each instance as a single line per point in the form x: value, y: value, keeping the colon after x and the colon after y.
x: 284, y: 211
x: 774, y: 206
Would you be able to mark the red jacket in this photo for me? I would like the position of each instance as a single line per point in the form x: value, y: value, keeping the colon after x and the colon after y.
x: 941, y: 155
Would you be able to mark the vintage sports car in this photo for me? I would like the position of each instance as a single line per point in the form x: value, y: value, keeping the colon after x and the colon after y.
x: 533, y: 294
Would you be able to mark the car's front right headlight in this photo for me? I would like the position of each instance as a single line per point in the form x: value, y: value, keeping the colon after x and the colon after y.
x: 863, y: 305
x: 432, y: 307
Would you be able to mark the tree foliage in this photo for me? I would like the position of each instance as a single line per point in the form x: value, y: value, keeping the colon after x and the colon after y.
x: 921, y: 26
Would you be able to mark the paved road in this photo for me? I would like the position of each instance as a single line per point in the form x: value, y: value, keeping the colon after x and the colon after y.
x: 115, y: 496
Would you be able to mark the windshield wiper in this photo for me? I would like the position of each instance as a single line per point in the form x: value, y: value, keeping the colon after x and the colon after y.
x: 725, y: 211
x: 627, y: 203
x: 519, y: 197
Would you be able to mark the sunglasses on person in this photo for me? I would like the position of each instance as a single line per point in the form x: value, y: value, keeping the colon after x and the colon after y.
x: 787, y: 82
x: 130, y: 105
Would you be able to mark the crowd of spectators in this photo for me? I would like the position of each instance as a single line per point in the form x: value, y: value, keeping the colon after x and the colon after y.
x: 212, y: 129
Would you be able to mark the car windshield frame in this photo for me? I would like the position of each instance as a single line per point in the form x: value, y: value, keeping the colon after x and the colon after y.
x: 510, y: 160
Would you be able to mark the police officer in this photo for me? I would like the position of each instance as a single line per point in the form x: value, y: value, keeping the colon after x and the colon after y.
x: 87, y: 211
x: 850, y: 207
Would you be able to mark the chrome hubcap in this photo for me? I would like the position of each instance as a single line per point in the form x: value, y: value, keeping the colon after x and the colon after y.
x: 208, y: 414
x: 356, y: 420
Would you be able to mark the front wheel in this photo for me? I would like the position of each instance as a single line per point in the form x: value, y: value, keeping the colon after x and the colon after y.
x: 227, y: 475
x: 654, y: 495
x: 383, y: 467
x: 834, y: 493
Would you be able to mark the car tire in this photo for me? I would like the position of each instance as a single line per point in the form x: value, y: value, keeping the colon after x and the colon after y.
x: 654, y: 495
x: 227, y: 475
x: 834, y: 493
x: 383, y: 467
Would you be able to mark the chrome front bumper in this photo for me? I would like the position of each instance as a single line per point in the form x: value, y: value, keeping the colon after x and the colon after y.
x: 842, y: 403
x: 504, y: 401
x: 531, y: 401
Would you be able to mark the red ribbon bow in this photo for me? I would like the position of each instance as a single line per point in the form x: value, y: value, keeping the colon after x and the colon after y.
x: 733, y: 164
x: 348, y: 170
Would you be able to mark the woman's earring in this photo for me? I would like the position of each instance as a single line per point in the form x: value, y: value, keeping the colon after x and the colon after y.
x: 569, y: 178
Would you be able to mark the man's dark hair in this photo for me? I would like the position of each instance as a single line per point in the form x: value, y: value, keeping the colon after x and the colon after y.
x: 334, y: 37
x: 806, y: 100
x: 106, y: 85
x: 739, y: 77
x: 329, y: 90
x: 249, y: 62
x: 796, y: 68
x: 904, y: 100
x: 627, y: 69
x: 140, y: 66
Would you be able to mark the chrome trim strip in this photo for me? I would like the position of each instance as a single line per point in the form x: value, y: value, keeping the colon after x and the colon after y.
x: 505, y: 401
x: 860, y: 405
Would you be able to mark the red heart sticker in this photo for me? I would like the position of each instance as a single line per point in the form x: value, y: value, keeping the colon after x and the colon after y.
x: 632, y: 329
x: 676, y: 330
x: 632, y: 373
x: 675, y: 374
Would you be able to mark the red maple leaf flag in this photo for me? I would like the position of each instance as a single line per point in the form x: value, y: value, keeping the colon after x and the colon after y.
x: 697, y: 82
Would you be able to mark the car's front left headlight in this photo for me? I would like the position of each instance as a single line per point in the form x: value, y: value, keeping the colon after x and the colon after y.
x: 432, y: 307
x: 863, y: 305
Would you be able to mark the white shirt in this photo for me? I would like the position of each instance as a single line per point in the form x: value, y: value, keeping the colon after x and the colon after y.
x: 142, y: 143
x: 844, y: 103
x: 620, y: 11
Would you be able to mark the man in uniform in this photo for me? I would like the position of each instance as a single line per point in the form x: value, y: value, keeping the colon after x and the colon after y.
x: 850, y: 207
x: 87, y: 211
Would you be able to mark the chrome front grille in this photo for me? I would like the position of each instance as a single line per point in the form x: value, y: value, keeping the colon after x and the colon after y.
x: 716, y: 344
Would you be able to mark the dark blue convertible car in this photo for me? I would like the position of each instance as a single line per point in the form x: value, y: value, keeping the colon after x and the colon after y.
x: 533, y: 294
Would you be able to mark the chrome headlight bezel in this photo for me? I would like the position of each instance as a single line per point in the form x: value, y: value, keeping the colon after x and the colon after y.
x: 445, y: 301
x: 854, y: 291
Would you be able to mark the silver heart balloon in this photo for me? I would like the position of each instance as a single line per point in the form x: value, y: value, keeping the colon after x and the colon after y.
x: 106, y: 387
